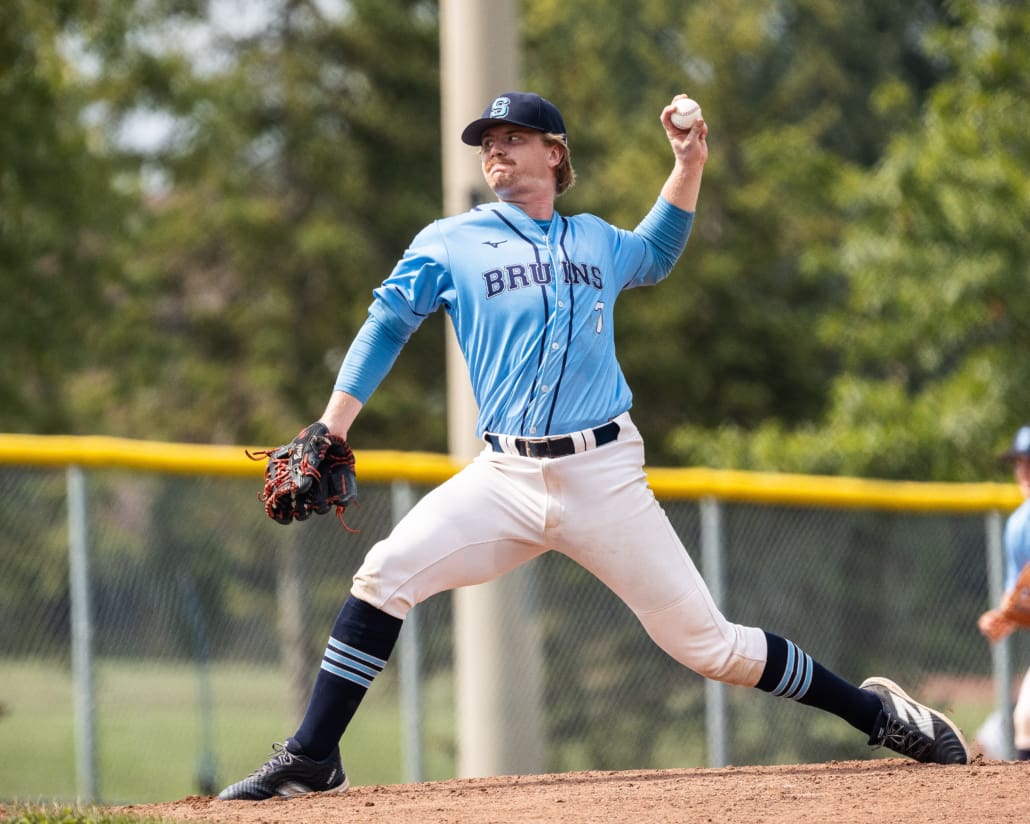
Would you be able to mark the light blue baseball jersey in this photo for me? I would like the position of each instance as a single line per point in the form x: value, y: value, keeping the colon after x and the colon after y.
x: 1017, y: 543
x: 531, y: 307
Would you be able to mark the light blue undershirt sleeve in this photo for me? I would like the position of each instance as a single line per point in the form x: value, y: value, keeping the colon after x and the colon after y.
x: 370, y: 357
x: 665, y: 229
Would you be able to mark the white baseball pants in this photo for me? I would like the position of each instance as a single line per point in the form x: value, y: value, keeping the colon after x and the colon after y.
x: 595, y: 507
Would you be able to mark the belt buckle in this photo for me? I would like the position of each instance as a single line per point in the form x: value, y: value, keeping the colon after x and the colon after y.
x: 559, y: 447
x: 538, y: 447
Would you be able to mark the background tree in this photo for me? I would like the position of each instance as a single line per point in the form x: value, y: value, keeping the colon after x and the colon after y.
x: 203, y: 283
x: 785, y: 88
x: 297, y: 158
x: 932, y: 325
x: 61, y: 214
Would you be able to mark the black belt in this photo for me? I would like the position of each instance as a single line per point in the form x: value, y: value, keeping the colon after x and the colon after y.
x: 556, y: 447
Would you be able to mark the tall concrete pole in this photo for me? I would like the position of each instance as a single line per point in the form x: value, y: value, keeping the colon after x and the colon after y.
x: 498, y: 669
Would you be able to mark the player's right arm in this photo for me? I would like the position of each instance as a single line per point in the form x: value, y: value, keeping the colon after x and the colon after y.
x: 340, y: 412
x: 369, y: 359
x: 401, y: 303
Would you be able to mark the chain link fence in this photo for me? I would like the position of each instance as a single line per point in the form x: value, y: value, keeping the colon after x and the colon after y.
x: 205, y: 621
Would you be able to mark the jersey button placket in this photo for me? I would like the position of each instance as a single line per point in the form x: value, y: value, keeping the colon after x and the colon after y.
x: 550, y: 363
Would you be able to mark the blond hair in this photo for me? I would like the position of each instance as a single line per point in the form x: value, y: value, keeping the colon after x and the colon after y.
x: 564, y: 174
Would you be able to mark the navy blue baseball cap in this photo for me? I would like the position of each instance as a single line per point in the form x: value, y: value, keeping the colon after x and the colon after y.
x: 1020, y: 445
x: 520, y: 108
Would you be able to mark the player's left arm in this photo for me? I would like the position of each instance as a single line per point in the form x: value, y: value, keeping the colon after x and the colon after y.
x: 664, y: 232
x: 690, y: 149
x: 667, y: 226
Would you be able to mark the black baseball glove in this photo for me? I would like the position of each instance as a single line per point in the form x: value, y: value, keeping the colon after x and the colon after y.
x: 312, y: 474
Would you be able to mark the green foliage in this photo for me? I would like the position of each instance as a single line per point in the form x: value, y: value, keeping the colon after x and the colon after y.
x: 932, y: 327
x: 280, y: 205
x: 785, y: 89
x: 859, y: 250
x: 59, y: 214
x: 937, y: 260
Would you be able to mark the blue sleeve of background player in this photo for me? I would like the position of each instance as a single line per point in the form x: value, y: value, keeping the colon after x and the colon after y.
x: 665, y: 230
x: 1017, y: 544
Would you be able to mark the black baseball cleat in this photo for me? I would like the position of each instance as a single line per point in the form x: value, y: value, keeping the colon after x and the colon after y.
x: 288, y: 773
x: 909, y: 728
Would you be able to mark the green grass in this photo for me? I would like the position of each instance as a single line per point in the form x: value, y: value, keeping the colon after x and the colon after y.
x: 149, y: 734
x: 55, y: 814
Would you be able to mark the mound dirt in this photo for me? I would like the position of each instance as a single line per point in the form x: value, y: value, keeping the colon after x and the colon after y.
x: 845, y: 792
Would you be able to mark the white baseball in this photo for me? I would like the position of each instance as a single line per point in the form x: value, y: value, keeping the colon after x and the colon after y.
x: 686, y: 114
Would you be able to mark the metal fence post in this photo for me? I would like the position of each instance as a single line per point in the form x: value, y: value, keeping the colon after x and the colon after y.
x: 207, y: 763
x: 81, y: 638
x: 403, y: 500
x: 1001, y: 652
x: 712, y: 549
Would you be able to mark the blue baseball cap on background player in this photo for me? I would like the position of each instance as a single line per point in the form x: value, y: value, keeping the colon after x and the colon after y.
x: 1020, y: 445
x: 520, y: 108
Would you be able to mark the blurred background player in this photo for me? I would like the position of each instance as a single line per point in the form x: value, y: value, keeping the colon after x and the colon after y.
x: 993, y: 624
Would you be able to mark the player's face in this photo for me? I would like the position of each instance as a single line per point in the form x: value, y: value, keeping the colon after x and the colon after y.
x: 518, y: 162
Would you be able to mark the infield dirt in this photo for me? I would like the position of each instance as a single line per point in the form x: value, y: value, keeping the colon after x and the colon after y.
x: 895, y: 791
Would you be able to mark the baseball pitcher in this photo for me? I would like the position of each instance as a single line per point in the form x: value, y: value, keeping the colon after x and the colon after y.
x: 532, y: 294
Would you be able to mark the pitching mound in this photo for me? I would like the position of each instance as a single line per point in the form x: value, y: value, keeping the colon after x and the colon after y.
x: 844, y: 792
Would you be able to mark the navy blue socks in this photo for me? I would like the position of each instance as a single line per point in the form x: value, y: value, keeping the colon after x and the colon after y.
x: 359, y: 646
x: 792, y: 673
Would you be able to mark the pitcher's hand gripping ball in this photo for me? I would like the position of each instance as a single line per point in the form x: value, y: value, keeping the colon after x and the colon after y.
x: 308, y: 476
x: 687, y: 113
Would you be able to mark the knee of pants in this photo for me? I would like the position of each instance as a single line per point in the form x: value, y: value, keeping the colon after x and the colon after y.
x: 367, y: 585
x: 716, y: 648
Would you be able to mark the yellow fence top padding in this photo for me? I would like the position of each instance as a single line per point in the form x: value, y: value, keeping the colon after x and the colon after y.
x: 101, y: 452
x: 430, y: 468
x: 832, y: 491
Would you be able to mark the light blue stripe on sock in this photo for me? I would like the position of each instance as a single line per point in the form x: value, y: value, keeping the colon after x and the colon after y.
x: 379, y: 663
x: 797, y: 676
x: 809, y: 672
x: 346, y: 674
x: 802, y: 678
x: 787, y: 670
x: 348, y: 661
x: 799, y: 672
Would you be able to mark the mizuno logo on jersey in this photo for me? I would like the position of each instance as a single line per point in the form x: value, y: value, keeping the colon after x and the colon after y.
x: 521, y: 275
x: 913, y: 714
x: 494, y: 243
